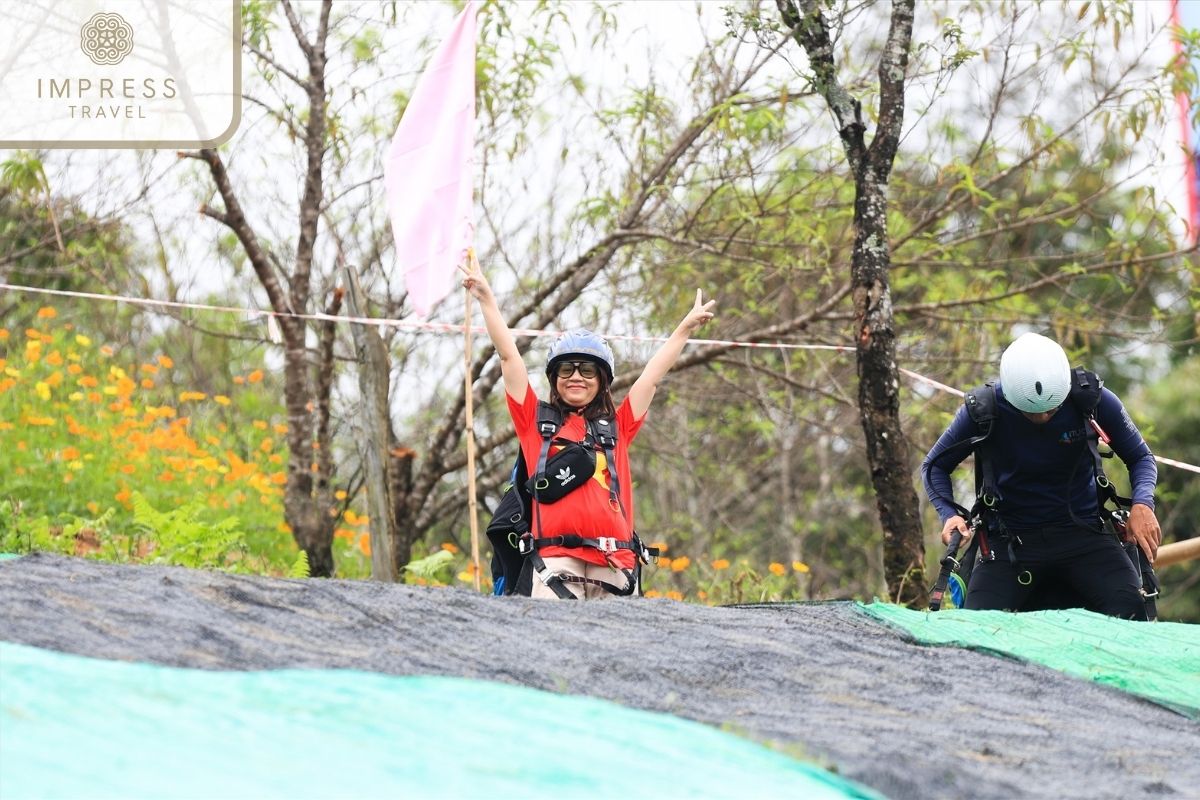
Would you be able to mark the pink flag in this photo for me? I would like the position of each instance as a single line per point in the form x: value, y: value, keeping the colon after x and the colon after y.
x: 429, y: 172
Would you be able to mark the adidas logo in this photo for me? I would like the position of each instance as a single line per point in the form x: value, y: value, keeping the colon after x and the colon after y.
x: 564, y: 476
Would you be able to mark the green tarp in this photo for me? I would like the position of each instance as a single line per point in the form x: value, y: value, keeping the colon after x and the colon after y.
x: 80, y: 727
x: 1158, y: 661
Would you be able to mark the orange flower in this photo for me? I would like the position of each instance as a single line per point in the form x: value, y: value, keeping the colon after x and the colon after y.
x: 777, y: 568
x: 69, y: 454
x: 258, y: 423
x: 165, y: 362
x: 239, y: 380
x: 680, y: 564
x: 450, y: 547
x: 74, y: 369
x: 280, y: 427
x: 148, y: 368
x: 674, y: 595
x: 54, y: 359
x: 3, y: 334
x: 364, y: 544
x: 105, y: 350
x: 147, y: 383
x: 88, y: 382
x: 255, y: 377
x: 721, y: 563
x: 128, y: 469
x: 653, y: 593
x: 266, y: 445
x: 187, y: 396
x: 47, y: 312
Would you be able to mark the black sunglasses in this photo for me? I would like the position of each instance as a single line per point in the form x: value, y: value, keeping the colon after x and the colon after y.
x: 566, y: 369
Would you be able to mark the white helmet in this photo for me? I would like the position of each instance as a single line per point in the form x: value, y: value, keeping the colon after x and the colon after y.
x: 1035, y: 374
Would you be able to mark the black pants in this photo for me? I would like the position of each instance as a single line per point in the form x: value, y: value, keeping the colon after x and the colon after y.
x: 1059, y: 568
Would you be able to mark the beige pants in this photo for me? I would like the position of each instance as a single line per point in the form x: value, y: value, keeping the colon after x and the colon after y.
x: 564, y: 565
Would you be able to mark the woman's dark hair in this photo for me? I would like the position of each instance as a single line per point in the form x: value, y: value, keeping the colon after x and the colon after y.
x: 601, y: 405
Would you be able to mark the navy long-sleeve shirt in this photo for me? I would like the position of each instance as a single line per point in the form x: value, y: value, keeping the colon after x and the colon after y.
x: 1039, y: 469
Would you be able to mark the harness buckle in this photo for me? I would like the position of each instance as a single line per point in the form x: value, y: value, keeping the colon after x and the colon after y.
x: 525, y: 544
x: 547, y: 429
x: 606, y: 544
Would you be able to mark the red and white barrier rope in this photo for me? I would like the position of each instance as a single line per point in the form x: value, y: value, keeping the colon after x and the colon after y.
x: 443, y: 327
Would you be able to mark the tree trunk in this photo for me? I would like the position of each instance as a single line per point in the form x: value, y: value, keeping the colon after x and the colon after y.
x: 879, y: 398
x: 875, y: 335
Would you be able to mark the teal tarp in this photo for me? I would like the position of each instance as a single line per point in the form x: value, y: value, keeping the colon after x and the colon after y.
x: 80, y: 727
x: 1159, y: 661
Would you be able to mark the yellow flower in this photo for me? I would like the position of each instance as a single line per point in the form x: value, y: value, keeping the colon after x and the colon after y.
x: 75, y: 397
x: 680, y: 564
x: 82, y: 340
x: 721, y: 563
x: 800, y: 566
x: 340, y: 494
x: 47, y: 312
x: 12, y: 372
x: 777, y: 568
x: 186, y: 396
x: 75, y: 465
x: 43, y: 391
x: 222, y: 399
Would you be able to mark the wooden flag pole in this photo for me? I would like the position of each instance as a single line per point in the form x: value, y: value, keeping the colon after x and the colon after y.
x: 472, y: 510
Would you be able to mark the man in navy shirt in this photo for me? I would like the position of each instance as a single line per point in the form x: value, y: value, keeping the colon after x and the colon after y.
x: 1045, y: 530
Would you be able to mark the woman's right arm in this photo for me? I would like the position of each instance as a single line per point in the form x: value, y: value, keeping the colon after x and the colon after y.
x: 516, y: 377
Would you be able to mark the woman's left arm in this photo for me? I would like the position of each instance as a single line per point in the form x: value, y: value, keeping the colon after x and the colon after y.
x: 642, y: 391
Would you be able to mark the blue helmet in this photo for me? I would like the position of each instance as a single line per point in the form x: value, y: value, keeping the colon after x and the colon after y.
x: 581, y: 342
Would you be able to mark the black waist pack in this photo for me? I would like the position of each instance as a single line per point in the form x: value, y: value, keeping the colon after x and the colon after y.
x: 568, y: 469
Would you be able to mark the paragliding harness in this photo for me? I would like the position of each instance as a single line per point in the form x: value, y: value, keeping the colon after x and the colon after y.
x: 515, y: 557
x: 984, y: 517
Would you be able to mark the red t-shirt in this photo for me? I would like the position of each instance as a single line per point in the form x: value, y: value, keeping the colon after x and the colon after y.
x: 587, y: 510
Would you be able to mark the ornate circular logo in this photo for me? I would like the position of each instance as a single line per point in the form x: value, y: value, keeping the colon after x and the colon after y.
x: 106, y: 38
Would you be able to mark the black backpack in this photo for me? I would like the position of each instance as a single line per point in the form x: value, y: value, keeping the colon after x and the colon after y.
x: 515, y: 559
x: 1085, y: 396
